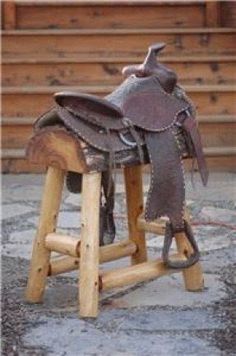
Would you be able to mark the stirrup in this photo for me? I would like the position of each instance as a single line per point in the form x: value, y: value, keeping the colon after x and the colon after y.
x: 169, y: 235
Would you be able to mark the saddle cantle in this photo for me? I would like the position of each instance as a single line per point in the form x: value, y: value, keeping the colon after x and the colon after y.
x: 144, y: 113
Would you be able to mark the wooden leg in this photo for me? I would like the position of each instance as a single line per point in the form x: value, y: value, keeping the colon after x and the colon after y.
x: 89, y: 248
x: 193, y: 276
x: 47, y: 223
x: 134, y: 199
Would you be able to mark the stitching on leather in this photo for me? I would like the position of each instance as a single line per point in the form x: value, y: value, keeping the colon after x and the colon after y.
x: 183, y: 175
x: 181, y: 92
x: 85, y: 138
x: 174, y: 119
x: 151, y: 186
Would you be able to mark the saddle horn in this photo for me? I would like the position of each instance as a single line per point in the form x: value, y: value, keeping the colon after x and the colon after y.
x: 150, y: 60
x: 167, y: 77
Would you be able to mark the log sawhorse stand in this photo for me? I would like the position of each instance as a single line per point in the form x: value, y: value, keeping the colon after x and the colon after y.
x: 61, y: 152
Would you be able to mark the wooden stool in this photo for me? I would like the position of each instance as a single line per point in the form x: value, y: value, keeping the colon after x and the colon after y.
x: 61, y: 152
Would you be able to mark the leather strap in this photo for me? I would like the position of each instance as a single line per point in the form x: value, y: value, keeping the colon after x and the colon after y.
x: 74, y: 182
x: 107, y: 224
x: 190, y: 125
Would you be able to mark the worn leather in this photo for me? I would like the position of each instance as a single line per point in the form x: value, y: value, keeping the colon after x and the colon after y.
x: 190, y: 126
x: 91, y: 108
x: 94, y: 135
x: 141, y: 100
x: 169, y: 235
x: 162, y: 113
x: 150, y: 66
x: 143, y: 113
x: 147, y: 94
x: 149, y: 108
x: 166, y: 194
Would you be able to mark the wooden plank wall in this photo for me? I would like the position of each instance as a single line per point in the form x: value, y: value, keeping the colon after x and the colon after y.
x: 100, y: 14
x: 50, y: 46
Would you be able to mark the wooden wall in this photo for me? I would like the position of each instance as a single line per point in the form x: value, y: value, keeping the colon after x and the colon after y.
x: 50, y: 46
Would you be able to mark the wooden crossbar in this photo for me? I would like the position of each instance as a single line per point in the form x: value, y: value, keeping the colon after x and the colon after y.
x: 155, y: 226
x: 136, y: 273
x: 64, y: 244
x: 67, y: 244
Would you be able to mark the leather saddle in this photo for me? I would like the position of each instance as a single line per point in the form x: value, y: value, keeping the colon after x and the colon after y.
x: 144, y: 113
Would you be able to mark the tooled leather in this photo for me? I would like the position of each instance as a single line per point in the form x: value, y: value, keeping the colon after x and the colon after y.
x: 141, y: 100
x: 153, y: 110
x: 146, y: 104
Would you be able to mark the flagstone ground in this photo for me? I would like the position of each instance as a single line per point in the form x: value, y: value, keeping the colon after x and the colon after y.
x: 151, y: 318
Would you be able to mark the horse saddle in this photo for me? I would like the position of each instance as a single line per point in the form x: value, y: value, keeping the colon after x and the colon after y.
x: 145, y: 113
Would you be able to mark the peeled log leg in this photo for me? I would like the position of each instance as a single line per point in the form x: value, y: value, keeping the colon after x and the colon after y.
x: 134, y: 199
x: 89, y: 247
x: 193, y: 276
x: 47, y: 223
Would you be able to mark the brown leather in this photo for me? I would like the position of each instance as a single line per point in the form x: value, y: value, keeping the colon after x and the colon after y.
x: 147, y: 105
x: 143, y: 113
x: 153, y: 110
x: 96, y: 136
x: 49, y: 118
x: 150, y: 66
x: 190, y: 127
x: 91, y: 108
x: 169, y: 235
x: 166, y: 194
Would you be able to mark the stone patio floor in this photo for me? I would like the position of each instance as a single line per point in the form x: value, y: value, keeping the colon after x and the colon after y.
x: 151, y: 318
